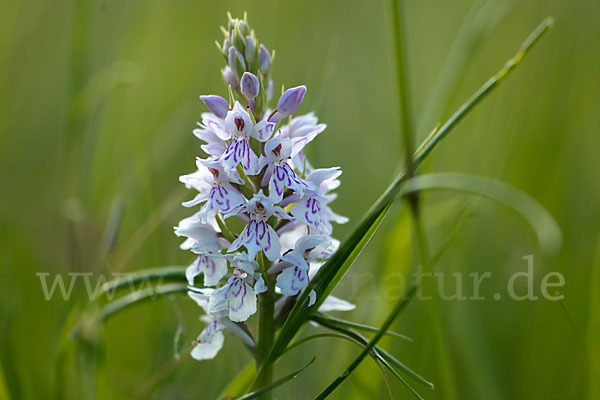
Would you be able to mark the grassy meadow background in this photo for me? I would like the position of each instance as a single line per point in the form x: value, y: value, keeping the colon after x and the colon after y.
x: 98, y: 101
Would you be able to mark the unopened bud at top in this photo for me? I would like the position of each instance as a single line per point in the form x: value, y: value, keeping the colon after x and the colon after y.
x: 230, y: 78
x: 290, y: 100
x: 250, y: 85
x: 216, y: 104
x: 236, y: 61
x: 251, y: 52
x: 264, y: 60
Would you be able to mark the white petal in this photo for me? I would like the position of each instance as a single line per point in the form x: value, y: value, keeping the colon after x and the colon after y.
x: 269, y: 242
x: 263, y: 130
x: 242, y: 302
x: 259, y: 286
x: 208, y: 350
x: 333, y: 303
x: 312, y: 297
x: 291, y: 280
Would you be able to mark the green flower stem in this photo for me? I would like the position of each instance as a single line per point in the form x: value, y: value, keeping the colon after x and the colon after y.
x: 403, y: 90
x: 266, y: 331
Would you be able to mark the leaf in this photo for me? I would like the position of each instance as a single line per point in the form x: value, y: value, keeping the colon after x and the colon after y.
x: 384, y: 355
x: 545, y: 227
x: 275, y: 384
x: 335, y: 268
x: 240, y: 384
x: 355, y: 325
x: 140, y: 296
x: 402, y: 302
x: 176, y: 273
x: 376, y: 358
x: 178, y: 342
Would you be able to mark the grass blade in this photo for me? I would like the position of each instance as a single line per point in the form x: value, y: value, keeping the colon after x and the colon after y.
x: 547, y: 230
x: 384, y: 355
x: 354, y: 325
x: 351, y: 338
x: 328, y: 276
x: 275, y: 384
x: 175, y: 273
x: 140, y: 296
x: 391, y: 317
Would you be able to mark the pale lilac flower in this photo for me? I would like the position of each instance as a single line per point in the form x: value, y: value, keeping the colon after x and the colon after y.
x: 240, y: 127
x: 313, y: 209
x: 212, y: 266
x: 279, y: 172
x: 201, y: 236
x: 295, y: 277
x: 214, y: 144
x: 302, y: 130
x: 210, y: 340
x: 258, y: 235
x: 237, y: 294
x: 214, y: 187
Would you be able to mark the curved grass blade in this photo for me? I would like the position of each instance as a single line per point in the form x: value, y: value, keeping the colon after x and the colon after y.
x: 402, y: 302
x: 380, y: 352
x: 175, y: 273
x: 376, y: 358
x: 545, y: 227
x: 140, y: 296
x: 275, y: 384
x: 354, y: 325
x: 335, y: 268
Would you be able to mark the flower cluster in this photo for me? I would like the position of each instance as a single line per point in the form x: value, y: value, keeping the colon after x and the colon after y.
x: 257, y: 179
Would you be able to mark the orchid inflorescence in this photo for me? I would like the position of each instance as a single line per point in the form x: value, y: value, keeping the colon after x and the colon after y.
x: 256, y: 172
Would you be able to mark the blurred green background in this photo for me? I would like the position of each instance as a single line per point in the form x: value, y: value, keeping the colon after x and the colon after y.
x: 98, y: 100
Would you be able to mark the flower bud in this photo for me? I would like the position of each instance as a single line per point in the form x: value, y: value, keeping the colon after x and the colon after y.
x: 226, y: 46
x: 230, y: 78
x: 243, y: 27
x: 216, y: 104
x: 264, y: 60
x: 238, y: 39
x: 290, y: 100
x: 251, y: 51
x: 236, y: 61
x: 250, y: 85
x: 270, y: 89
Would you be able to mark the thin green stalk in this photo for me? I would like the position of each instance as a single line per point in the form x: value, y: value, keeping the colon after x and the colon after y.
x: 266, y: 332
x: 354, y: 325
x: 438, y: 134
x: 403, y: 90
x: 413, y: 198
